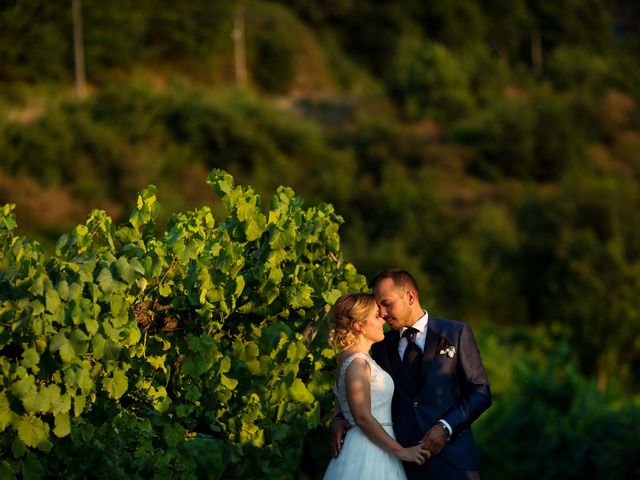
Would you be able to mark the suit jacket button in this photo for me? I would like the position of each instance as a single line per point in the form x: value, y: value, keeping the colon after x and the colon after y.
x: 415, y: 404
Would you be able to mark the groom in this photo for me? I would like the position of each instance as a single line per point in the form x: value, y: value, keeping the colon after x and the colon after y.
x: 441, y: 386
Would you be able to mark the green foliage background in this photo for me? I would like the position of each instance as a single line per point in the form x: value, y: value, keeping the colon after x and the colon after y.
x: 491, y: 147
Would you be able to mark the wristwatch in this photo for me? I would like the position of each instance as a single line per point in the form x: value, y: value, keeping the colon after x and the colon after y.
x: 446, y: 430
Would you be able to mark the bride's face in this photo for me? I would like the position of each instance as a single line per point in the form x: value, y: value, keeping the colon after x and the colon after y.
x: 374, y: 325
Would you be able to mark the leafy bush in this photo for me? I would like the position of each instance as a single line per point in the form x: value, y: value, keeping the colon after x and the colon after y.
x: 503, y: 137
x: 272, y: 48
x: 550, y: 421
x: 536, y: 139
x: 126, y: 354
x: 34, y: 42
x: 578, y: 261
x: 428, y: 80
x: 126, y: 136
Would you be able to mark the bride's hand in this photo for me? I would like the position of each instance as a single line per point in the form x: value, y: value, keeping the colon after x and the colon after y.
x: 338, y: 430
x: 418, y: 454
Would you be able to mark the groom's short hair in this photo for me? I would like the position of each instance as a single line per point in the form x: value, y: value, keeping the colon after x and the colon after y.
x: 400, y: 277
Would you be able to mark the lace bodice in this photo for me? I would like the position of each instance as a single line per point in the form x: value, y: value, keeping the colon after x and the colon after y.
x: 381, y: 391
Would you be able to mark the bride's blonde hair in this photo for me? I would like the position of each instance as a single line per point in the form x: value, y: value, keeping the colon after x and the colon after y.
x: 349, y: 309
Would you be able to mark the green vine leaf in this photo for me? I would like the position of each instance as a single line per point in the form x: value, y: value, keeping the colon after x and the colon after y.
x: 33, y: 432
x: 116, y: 385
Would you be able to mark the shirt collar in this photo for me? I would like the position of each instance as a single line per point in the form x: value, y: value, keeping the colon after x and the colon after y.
x: 420, y: 325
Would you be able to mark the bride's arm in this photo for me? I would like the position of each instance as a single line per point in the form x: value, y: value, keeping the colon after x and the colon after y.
x: 338, y: 428
x: 358, y: 388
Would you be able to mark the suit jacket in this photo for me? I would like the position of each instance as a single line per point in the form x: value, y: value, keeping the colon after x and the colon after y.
x: 453, y: 385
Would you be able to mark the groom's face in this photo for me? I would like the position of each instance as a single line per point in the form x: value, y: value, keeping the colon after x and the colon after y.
x: 393, y: 303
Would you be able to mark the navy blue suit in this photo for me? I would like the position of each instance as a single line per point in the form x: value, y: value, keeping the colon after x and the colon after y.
x: 454, y: 388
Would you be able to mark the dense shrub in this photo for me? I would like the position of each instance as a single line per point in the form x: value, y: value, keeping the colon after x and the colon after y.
x: 429, y: 81
x: 272, y: 49
x: 125, y: 346
x: 35, y: 42
x: 549, y: 421
x: 536, y: 138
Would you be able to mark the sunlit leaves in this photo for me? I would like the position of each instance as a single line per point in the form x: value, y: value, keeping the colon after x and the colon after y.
x: 62, y: 425
x: 7, y: 219
x: 147, y: 208
x: 300, y: 296
x: 299, y: 392
x: 52, y: 301
x: 105, y: 280
x: 24, y: 388
x: 129, y: 270
x: 331, y: 296
x: 62, y: 345
x: 157, y: 362
x: 105, y: 348
x: 229, y: 383
x: 5, y: 412
x: 78, y: 376
x: 33, y: 432
x: 140, y: 341
x: 30, y: 359
x: 116, y: 385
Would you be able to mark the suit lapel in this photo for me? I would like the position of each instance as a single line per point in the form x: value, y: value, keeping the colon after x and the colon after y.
x: 430, y: 347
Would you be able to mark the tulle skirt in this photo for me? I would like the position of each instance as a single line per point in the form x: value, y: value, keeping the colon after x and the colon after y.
x: 360, y: 458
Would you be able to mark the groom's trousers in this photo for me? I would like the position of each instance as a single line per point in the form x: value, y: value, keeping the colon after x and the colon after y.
x: 437, y: 468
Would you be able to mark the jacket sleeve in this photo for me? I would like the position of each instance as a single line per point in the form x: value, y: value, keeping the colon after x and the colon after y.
x: 475, y: 392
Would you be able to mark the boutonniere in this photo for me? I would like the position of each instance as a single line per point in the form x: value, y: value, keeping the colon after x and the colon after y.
x: 448, y: 350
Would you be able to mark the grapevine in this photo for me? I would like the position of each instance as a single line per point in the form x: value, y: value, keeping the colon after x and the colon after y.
x: 128, y: 353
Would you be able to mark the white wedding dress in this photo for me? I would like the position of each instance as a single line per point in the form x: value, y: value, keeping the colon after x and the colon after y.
x: 360, y: 458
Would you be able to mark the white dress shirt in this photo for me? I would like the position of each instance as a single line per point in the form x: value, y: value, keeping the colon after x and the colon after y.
x: 421, y: 336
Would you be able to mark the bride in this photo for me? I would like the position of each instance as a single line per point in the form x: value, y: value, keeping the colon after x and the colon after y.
x: 363, y: 394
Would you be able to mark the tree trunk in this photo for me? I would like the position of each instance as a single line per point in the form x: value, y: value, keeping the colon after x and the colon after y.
x: 239, y: 47
x: 78, y: 48
x: 536, y: 51
x: 602, y: 379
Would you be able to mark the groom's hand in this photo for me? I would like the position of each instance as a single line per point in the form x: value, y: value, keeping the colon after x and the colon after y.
x: 434, y: 439
x: 338, y: 430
